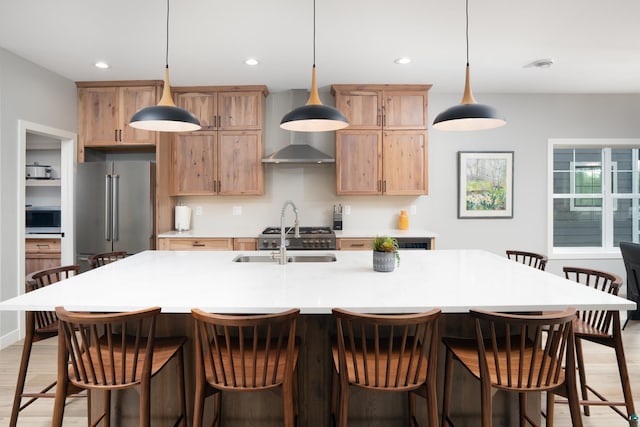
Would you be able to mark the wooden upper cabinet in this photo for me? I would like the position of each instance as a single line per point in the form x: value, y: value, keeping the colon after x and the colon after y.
x: 194, y: 159
x: 387, y: 107
x: 217, y: 163
x: 225, y: 156
x: 405, y: 163
x: 384, y: 149
x: 104, y: 111
x: 224, y: 107
x: 359, y: 162
x: 240, y: 110
x: 362, y: 108
x: 240, y: 169
x: 203, y: 105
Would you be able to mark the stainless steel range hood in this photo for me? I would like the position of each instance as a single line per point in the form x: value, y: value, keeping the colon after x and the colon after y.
x: 298, y: 153
x: 299, y: 150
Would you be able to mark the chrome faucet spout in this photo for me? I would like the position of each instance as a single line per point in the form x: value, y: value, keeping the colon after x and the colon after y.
x: 284, y: 231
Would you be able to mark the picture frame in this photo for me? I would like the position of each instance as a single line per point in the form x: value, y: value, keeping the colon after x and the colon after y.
x: 485, y: 184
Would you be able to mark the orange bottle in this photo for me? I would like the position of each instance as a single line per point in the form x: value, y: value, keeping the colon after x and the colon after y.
x: 403, y: 221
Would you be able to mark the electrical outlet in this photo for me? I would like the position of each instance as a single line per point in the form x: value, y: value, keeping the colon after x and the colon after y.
x: 413, y: 210
x: 236, y: 211
x: 347, y: 210
x: 198, y: 210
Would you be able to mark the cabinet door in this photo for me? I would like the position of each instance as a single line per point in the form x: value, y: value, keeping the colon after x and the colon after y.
x: 358, y: 162
x: 203, y: 105
x: 405, y: 162
x: 362, y: 108
x: 98, y: 115
x: 355, y: 244
x: 405, y: 110
x: 240, y: 170
x: 240, y: 110
x: 132, y: 99
x: 193, y: 163
x: 245, y: 244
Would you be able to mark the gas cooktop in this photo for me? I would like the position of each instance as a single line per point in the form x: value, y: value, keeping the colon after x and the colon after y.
x: 310, y: 238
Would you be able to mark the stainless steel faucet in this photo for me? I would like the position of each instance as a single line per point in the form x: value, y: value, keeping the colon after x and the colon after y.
x: 283, y: 232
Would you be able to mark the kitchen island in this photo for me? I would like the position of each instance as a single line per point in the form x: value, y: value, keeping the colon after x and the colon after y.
x: 453, y: 280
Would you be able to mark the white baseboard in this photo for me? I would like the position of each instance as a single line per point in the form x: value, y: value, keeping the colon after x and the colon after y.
x: 9, y: 339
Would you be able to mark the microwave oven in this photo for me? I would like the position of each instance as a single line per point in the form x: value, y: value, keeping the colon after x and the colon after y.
x: 42, y: 219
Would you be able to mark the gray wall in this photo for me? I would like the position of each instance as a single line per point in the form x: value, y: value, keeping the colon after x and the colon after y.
x: 27, y: 92
x: 31, y: 93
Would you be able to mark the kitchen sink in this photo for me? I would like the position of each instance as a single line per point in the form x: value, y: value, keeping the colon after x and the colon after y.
x: 291, y: 258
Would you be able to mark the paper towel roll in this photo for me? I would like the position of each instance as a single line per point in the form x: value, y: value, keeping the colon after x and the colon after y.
x: 183, y: 218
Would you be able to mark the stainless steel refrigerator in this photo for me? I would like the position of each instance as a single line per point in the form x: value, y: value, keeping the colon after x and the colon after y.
x: 114, y: 208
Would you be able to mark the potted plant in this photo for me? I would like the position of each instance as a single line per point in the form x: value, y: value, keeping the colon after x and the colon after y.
x: 385, y: 253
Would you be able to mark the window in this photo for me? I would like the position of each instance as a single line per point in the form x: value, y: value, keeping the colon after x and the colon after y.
x: 595, y: 194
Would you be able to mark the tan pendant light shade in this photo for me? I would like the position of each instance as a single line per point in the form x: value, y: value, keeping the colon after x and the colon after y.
x: 314, y: 116
x: 469, y: 115
x: 166, y: 116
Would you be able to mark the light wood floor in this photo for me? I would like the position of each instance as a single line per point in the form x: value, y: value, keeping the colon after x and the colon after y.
x: 601, y: 371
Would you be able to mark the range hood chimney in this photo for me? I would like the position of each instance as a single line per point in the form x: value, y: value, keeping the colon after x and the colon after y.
x: 298, y: 150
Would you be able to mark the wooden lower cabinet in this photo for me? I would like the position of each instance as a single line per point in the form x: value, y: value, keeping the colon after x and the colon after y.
x: 354, y: 244
x: 189, y: 244
x: 41, y: 254
x: 245, y: 244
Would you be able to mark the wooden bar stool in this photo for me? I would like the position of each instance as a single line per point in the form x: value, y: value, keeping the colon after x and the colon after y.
x: 114, y: 351
x: 39, y: 325
x: 245, y: 353
x: 386, y: 353
x: 604, y: 328
x: 98, y: 260
x: 509, y: 353
x: 531, y: 259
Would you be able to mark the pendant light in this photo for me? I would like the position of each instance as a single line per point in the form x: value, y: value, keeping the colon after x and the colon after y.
x: 166, y: 116
x: 469, y: 115
x: 314, y: 116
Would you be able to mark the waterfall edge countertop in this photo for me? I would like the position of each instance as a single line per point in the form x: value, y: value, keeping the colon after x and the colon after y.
x: 453, y: 280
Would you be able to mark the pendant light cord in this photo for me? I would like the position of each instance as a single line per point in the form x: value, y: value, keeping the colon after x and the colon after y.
x: 467, y: 29
x: 166, y: 55
x: 314, y: 33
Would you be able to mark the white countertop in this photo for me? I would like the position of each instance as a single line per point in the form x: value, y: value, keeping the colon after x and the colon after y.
x: 411, y: 232
x: 453, y: 280
x: 391, y: 232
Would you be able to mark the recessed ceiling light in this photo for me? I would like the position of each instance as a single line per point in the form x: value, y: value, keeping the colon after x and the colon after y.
x: 402, y: 61
x: 251, y: 61
x: 540, y: 63
x: 102, y: 64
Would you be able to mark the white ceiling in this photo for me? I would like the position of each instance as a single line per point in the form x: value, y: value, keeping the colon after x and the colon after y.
x: 595, y: 43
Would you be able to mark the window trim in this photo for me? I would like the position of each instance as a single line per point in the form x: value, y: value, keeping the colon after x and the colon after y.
x: 584, y: 252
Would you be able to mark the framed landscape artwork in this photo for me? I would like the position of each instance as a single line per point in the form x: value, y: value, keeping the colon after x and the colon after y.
x: 485, y: 184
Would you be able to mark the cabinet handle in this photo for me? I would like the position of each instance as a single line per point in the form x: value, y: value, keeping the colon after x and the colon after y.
x: 378, y: 117
x: 42, y: 245
x: 215, y: 122
x: 219, y: 186
x: 379, y: 186
x: 384, y: 186
x: 357, y: 245
x: 219, y: 121
x: 115, y: 135
x: 197, y: 244
x: 384, y: 117
x: 120, y: 135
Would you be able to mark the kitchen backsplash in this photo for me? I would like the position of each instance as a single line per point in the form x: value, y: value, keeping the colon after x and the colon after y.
x: 312, y: 189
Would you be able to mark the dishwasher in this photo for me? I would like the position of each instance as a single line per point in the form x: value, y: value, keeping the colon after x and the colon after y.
x: 414, y: 243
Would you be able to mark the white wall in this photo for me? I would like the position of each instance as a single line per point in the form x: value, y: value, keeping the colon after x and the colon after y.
x: 27, y: 92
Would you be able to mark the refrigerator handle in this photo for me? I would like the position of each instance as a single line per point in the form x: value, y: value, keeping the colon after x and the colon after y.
x: 107, y: 208
x: 114, y: 207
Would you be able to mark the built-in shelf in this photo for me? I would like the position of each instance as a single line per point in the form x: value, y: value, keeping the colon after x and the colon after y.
x: 42, y: 182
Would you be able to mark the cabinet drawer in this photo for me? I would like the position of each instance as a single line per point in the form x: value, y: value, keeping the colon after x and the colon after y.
x: 359, y: 244
x: 42, y: 246
x: 245, y: 244
x: 215, y: 244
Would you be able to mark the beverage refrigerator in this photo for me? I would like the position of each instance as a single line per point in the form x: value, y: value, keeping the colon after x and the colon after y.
x: 114, y: 208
